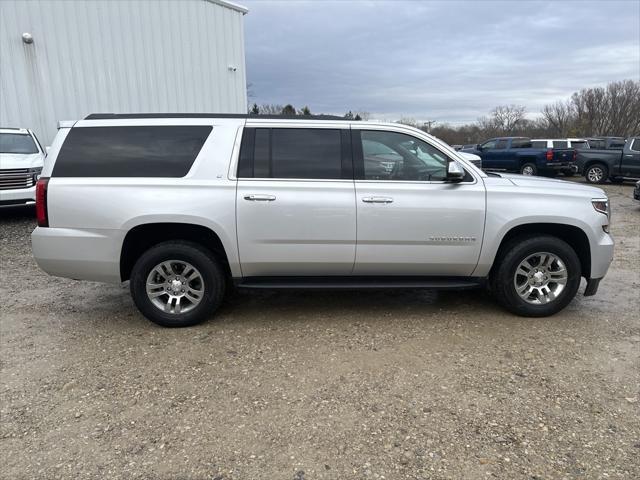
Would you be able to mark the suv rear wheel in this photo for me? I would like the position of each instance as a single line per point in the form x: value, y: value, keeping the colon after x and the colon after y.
x: 177, y: 284
x: 537, y: 277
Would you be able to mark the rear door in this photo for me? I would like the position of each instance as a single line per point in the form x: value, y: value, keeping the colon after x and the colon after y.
x: 410, y: 221
x: 295, y: 201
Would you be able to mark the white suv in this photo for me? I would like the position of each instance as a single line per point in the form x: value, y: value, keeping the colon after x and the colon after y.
x: 183, y: 205
x: 21, y: 161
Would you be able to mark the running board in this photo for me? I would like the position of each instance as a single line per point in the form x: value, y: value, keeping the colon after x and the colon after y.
x: 358, y: 282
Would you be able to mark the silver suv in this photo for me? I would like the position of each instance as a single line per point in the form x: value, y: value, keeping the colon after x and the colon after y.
x: 183, y: 206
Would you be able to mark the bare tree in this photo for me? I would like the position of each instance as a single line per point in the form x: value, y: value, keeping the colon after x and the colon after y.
x: 506, y: 118
x: 271, y: 109
x: 559, y: 117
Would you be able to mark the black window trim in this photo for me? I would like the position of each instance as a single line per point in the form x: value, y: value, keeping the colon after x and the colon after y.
x: 247, y: 149
x: 358, y: 160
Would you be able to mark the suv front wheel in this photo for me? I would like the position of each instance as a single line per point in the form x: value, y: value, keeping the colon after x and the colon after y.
x: 536, y: 277
x: 177, y: 284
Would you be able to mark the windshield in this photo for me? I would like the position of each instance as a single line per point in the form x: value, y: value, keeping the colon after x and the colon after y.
x: 17, y: 143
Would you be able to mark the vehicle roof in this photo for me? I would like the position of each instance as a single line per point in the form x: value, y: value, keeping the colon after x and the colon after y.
x: 128, y: 116
x: 19, y: 131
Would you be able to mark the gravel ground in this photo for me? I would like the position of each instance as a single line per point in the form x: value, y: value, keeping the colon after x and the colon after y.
x: 318, y: 385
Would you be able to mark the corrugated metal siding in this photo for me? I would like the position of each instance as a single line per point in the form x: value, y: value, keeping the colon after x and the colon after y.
x: 114, y: 56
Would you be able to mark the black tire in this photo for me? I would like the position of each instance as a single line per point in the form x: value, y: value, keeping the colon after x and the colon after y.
x: 528, y: 167
x: 517, y: 250
x: 598, y: 173
x: 199, y: 257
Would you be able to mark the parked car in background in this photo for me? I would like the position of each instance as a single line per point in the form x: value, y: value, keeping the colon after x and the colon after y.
x: 21, y: 161
x: 457, y: 147
x: 470, y: 157
x: 600, y: 165
x: 574, y: 143
x: 636, y: 191
x: 516, y: 154
x: 606, y: 143
x: 182, y: 205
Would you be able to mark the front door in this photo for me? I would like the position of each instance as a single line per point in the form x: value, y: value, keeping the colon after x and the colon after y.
x: 295, y: 202
x: 410, y: 221
x: 630, y: 166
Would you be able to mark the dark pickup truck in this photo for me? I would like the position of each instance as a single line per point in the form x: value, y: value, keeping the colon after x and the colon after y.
x: 515, y: 154
x: 598, y: 165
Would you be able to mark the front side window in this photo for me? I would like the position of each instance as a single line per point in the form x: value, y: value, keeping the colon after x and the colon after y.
x: 635, y: 145
x: 397, y: 156
x: 17, y: 143
x: 488, y: 145
x: 301, y: 153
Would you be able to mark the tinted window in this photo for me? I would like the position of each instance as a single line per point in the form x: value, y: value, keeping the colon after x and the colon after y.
x: 489, y: 144
x: 560, y: 144
x: 502, y: 144
x: 635, y: 146
x: 305, y: 153
x: 396, y: 156
x: 616, y: 144
x: 17, y: 143
x: 539, y: 144
x: 163, y: 151
x: 596, y: 143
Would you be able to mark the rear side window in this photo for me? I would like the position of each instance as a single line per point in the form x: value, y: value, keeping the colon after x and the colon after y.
x: 147, y: 151
x: 560, y: 144
x: 520, y: 143
x: 539, y: 144
x: 580, y: 145
x: 635, y: 145
x: 502, y: 144
x: 304, y: 153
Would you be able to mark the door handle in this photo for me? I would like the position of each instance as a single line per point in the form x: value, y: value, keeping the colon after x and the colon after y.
x: 260, y: 198
x: 377, y: 199
x: 628, y: 155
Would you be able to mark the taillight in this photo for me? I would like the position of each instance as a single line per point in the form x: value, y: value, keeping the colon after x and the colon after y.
x: 41, y: 202
x: 550, y: 155
x: 575, y: 155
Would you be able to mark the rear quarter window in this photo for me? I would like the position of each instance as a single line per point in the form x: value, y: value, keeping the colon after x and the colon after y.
x: 144, y: 151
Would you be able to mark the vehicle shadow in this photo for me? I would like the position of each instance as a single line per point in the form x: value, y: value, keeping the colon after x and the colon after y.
x: 18, y: 213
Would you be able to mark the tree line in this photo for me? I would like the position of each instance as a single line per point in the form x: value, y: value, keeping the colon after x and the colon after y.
x: 290, y: 110
x: 613, y: 110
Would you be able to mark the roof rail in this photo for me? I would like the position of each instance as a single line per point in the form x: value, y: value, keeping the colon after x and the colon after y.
x: 123, y: 116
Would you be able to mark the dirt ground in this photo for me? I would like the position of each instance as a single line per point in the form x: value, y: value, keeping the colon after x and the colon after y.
x: 318, y: 385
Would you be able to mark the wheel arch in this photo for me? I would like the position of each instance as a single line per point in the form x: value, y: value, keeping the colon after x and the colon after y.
x: 571, y: 234
x: 143, y: 236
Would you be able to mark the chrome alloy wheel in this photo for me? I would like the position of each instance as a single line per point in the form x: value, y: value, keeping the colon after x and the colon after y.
x: 595, y: 174
x: 527, y: 170
x: 540, y: 278
x: 175, y: 286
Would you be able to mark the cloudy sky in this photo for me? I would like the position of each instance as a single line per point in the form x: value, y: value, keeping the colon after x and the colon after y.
x: 436, y: 60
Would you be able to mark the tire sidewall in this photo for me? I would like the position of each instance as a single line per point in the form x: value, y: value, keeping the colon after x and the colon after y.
x: 207, y: 266
x: 518, y: 252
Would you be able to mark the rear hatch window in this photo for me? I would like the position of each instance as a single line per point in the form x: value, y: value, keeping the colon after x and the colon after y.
x: 137, y: 151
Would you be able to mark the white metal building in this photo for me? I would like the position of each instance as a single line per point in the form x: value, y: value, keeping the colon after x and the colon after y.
x: 61, y: 60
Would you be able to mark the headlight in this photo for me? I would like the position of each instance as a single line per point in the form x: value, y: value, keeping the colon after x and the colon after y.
x: 601, y: 205
x: 35, y: 173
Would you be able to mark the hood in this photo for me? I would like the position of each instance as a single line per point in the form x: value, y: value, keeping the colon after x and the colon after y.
x: 552, y: 184
x: 21, y: 160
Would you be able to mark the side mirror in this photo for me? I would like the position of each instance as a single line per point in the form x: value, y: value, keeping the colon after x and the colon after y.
x: 455, y: 172
x: 479, y: 147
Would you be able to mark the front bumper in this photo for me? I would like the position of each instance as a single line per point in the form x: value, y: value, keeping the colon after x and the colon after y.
x: 19, y: 196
